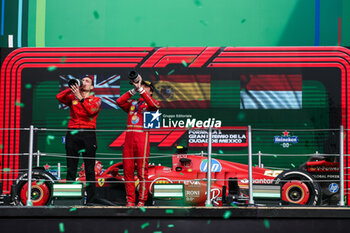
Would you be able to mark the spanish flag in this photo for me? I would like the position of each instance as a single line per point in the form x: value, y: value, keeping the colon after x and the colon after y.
x: 182, y: 91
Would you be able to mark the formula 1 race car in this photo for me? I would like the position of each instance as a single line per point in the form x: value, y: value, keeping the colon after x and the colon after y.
x: 316, y: 182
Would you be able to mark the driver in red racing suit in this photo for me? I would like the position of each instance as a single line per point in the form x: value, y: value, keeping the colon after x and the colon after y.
x: 136, y: 146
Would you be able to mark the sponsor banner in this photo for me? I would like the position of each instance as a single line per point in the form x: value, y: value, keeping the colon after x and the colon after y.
x: 286, y: 140
x: 223, y: 137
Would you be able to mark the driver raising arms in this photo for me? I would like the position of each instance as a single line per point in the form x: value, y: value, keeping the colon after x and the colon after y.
x: 136, y: 146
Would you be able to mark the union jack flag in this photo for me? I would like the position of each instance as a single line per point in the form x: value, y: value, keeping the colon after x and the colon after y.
x: 108, y: 89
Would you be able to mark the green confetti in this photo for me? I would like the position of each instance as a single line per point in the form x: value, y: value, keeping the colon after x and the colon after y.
x: 74, y: 132
x: 63, y: 59
x: 200, y: 99
x: 111, y: 162
x: 157, y: 231
x: 221, y: 152
x: 60, y: 37
x: 181, y: 173
x: 208, y: 221
x: 267, y: 223
x: 40, y: 182
x: 240, y: 116
x: 49, y: 138
x: 30, y: 203
x: 81, y: 151
x: 184, y: 63
x: 51, y: 68
x: 125, y: 231
x: 234, y: 205
x: 19, y: 104
x: 171, y: 225
x: 96, y: 15
x: 143, y: 209
x: 143, y: 226
x: 227, y: 214
x: 172, y: 71
x: 203, y: 22
x: 158, y: 224
x: 6, y: 169
x: 243, y: 20
x: 292, y: 165
x: 169, y: 211
x: 72, y: 209
x: 61, y: 226
x: 153, y: 44
x: 64, y: 122
x: 275, y: 156
x: 91, y: 93
x: 28, y: 86
x: 156, y: 73
x: 197, y: 3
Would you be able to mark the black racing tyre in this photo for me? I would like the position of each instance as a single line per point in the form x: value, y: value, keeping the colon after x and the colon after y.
x: 42, y: 188
x: 299, y: 187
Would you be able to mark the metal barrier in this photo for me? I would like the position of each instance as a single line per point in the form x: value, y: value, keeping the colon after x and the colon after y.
x: 209, y: 153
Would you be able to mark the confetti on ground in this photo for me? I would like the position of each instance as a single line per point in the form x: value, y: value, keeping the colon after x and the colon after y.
x: 292, y: 165
x: 171, y: 71
x: 243, y: 20
x: 61, y: 226
x: 63, y: 59
x: 197, y: 2
x: 125, y: 231
x: 72, y: 209
x: 221, y: 152
x: 171, y: 225
x: 96, y: 15
x: 51, y: 68
x: 227, y: 214
x: 111, y: 162
x: 169, y: 211
x: 28, y: 86
x: 267, y: 223
x: 143, y: 209
x: 64, y: 122
x: 181, y: 173
x: 19, y: 104
x: 81, y: 151
x: 6, y: 169
x: 203, y: 22
x: 184, y: 63
x: 74, y: 132
x: 49, y: 138
x: 143, y: 226
x: 208, y: 221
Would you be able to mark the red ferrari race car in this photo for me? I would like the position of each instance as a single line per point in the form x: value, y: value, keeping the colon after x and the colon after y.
x: 316, y: 182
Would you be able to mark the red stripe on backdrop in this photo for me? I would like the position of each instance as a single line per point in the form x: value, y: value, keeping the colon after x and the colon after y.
x: 191, y: 78
x: 272, y: 82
